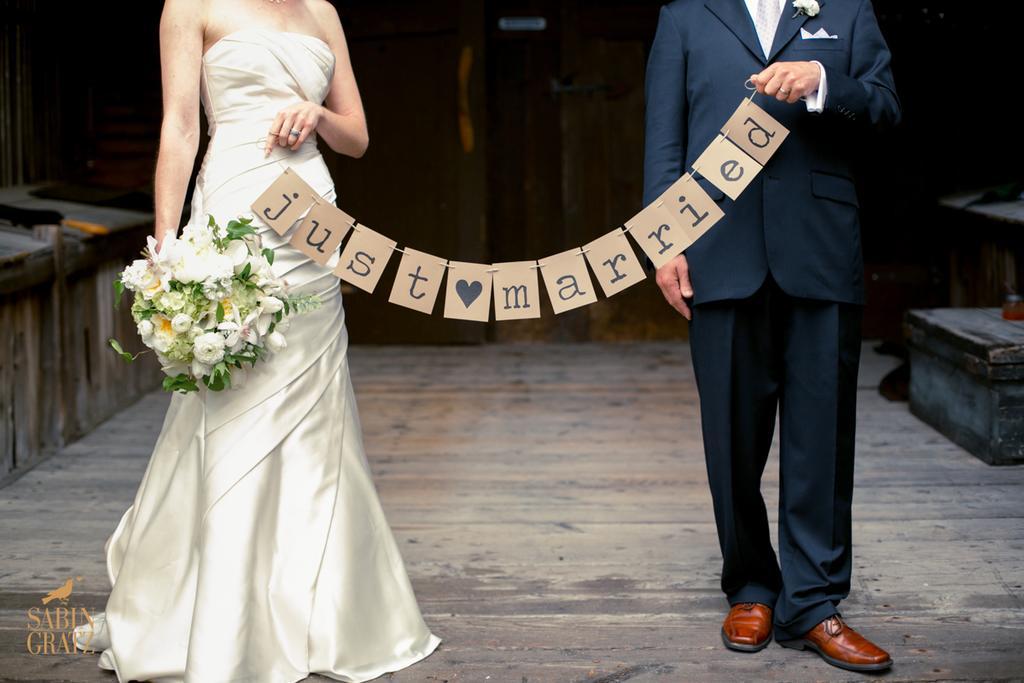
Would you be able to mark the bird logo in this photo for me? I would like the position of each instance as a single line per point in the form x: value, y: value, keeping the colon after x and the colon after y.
x: 61, y: 593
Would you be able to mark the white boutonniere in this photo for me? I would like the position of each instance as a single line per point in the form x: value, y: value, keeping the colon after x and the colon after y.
x: 808, y: 7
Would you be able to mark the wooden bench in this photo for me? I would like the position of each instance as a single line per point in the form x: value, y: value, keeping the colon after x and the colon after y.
x: 967, y: 379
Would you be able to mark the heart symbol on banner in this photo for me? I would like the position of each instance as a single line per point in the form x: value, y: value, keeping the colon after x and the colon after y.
x: 468, y: 292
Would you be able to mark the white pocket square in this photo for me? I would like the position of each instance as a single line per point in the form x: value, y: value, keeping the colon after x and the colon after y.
x: 820, y: 34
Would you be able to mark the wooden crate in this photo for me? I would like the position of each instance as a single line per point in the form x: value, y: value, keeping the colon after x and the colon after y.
x: 967, y: 379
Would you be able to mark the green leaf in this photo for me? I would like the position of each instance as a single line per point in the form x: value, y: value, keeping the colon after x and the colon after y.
x: 180, y: 382
x: 118, y: 291
x: 245, y: 271
x: 268, y: 253
x: 240, y: 231
x: 220, y: 312
x: 114, y: 344
x: 219, y: 379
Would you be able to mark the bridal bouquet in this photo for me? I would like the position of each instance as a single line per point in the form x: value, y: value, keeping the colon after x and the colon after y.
x: 208, y: 302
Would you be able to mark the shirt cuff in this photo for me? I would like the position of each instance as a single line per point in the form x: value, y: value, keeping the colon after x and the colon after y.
x: 816, y: 100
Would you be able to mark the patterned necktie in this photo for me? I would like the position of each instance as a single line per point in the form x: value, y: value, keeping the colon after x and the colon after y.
x: 767, y: 20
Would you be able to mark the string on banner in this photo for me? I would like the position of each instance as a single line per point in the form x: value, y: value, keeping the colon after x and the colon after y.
x: 666, y: 227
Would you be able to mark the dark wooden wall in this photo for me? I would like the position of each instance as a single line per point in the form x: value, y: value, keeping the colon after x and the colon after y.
x: 557, y: 123
x: 566, y: 122
x: 419, y: 183
x: 555, y: 159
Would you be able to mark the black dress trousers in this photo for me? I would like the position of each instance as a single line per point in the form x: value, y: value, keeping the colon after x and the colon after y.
x: 801, y: 356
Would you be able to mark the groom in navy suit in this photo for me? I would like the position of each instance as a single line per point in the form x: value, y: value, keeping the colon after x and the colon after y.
x: 774, y: 293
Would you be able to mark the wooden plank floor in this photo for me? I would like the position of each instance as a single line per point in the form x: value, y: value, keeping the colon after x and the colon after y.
x: 551, y: 504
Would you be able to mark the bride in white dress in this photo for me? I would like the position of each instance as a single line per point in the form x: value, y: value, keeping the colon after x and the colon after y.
x: 256, y: 548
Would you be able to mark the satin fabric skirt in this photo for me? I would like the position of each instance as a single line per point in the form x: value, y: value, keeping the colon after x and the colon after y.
x: 256, y: 548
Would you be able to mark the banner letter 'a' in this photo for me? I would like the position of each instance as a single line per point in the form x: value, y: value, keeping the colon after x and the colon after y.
x: 567, y: 280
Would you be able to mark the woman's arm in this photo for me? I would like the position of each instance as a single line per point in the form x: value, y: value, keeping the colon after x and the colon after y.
x: 181, y: 47
x: 340, y: 120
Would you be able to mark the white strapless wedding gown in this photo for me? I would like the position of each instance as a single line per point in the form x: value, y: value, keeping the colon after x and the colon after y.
x: 256, y: 548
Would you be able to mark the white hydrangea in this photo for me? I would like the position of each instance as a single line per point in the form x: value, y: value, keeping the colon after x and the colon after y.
x: 172, y: 301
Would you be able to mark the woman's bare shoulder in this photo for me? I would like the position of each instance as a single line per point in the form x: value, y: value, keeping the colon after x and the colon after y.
x: 184, y: 13
x: 326, y: 15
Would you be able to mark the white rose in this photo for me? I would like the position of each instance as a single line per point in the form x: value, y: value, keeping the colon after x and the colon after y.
x: 160, y: 343
x: 181, y: 323
x: 275, y: 341
x: 808, y: 7
x: 209, y: 348
x: 145, y: 328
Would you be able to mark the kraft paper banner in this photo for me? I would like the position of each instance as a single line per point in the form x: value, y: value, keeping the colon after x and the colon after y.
x: 365, y: 256
x: 728, y: 167
x: 468, y: 292
x: 321, y: 231
x: 418, y: 281
x: 614, y: 264
x: 755, y: 131
x: 693, y: 209
x: 284, y: 201
x: 658, y: 232
x: 567, y: 280
x: 516, y: 290
x: 663, y: 229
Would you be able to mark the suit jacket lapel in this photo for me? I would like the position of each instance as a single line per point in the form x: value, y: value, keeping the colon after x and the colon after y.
x: 788, y: 26
x: 734, y: 14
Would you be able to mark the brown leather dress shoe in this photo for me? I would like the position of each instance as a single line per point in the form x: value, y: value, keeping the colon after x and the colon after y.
x: 841, y: 646
x: 747, y: 627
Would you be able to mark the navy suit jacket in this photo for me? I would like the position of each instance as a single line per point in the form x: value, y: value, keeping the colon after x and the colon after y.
x: 799, y: 218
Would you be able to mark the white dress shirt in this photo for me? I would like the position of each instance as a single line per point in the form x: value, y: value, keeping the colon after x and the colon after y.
x: 815, y: 100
